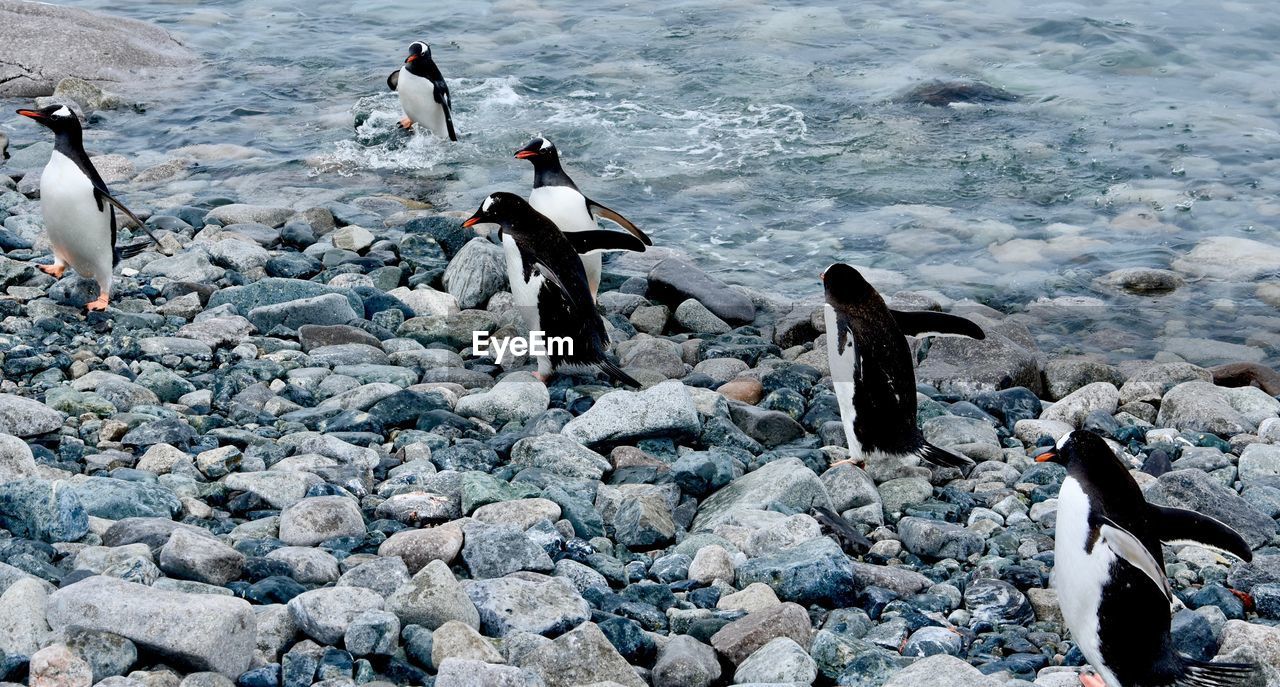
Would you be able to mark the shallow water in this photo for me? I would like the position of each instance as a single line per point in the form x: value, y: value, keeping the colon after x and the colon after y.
x: 764, y: 139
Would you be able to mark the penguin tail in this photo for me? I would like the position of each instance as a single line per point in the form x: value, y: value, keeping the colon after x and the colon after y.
x: 132, y: 249
x: 616, y: 372
x: 943, y: 458
x: 1205, y: 674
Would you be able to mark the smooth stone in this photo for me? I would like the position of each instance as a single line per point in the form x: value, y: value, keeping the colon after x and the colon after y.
x: 432, y: 598
x: 527, y: 602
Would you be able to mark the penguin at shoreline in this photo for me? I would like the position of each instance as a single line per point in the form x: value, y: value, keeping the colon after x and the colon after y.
x: 79, y: 211
x: 872, y: 371
x: 1109, y: 571
x: 556, y: 196
x: 424, y: 95
x: 549, y: 285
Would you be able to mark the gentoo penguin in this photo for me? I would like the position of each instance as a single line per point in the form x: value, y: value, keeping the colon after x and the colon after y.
x: 871, y: 367
x: 424, y: 95
x: 556, y: 196
x: 1109, y: 571
x: 79, y: 211
x: 548, y: 284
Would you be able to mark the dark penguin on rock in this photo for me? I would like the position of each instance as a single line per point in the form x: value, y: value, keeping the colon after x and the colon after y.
x: 549, y: 285
x: 556, y: 196
x: 424, y: 95
x: 79, y: 211
x: 872, y: 371
x: 1109, y: 571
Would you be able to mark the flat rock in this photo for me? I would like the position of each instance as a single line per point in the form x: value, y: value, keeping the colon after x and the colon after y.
x: 663, y: 410
x: 1198, y: 491
x: 787, y: 481
x: 741, y: 638
x: 432, y: 598
x: 582, y: 656
x: 23, y: 417
x: 673, y: 281
x: 527, y: 602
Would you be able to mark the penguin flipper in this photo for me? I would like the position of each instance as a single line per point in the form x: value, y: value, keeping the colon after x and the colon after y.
x: 552, y: 278
x: 618, y: 219
x: 393, y: 80
x: 616, y: 372
x: 1205, y: 674
x: 931, y: 323
x: 1177, y: 525
x: 591, y: 241
x: 102, y: 195
x: 841, y: 530
x: 942, y: 457
x: 446, y: 103
x: 1133, y: 551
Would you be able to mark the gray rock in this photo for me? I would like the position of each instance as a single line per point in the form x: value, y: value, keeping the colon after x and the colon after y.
x: 998, y: 602
x: 464, y: 672
x: 319, y: 518
x: 1141, y: 280
x: 116, y: 499
x: 325, y: 614
x: 308, y: 565
x: 1076, y: 406
x: 277, y: 290
x: 673, y: 281
x: 40, y: 45
x: 559, y: 454
x: 651, y: 354
x: 193, y: 631
x: 954, y: 430
x: 108, y: 654
x: 897, y: 494
x: 740, y: 638
x: 685, y: 662
x: 23, y: 417
x: 941, y: 671
x: 850, y: 487
x: 419, y: 547
x: 663, y: 410
x: 1198, y: 491
x: 644, y: 522
x: 581, y: 656
x: 769, y: 427
x: 779, y: 661
x: 815, y: 572
x: 23, y: 629
x: 475, y: 273
x: 1254, y: 643
x: 1259, y: 461
x: 695, y: 317
x: 527, y: 603
x: 787, y: 482
x: 43, y: 510
x: 938, y: 539
x: 1151, y: 382
x: 191, y: 556
x: 459, y: 640
x: 328, y: 308
x: 432, y: 598
x: 515, y: 398
x: 496, y: 550
x: 192, y: 265
x: 1064, y: 375
x: 278, y: 488
x: 383, y: 575
x: 1201, y: 407
x: 964, y: 366
x: 241, y: 213
x: 372, y: 633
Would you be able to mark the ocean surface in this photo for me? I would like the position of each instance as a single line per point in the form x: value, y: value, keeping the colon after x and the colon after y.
x: 767, y: 140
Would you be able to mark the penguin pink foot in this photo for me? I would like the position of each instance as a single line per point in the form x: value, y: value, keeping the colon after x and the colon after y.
x: 406, y: 123
x: 55, y: 270
x: 98, y: 304
x: 1091, y: 680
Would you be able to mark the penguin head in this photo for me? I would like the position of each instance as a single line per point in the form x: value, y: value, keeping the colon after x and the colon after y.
x: 845, y: 285
x: 538, y: 150
x: 418, y: 50
x: 58, y: 118
x: 1079, y: 446
x: 499, y: 208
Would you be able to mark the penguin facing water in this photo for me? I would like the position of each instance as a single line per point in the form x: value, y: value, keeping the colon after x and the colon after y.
x: 1109, y: 571
x: 872, y: 371
x: 556, y: 196
x: 424, y: 95
x: 79, y: 211
x: 548, y: 283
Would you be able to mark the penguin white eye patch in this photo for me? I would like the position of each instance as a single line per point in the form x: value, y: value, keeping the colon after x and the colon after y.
x: 62, y: 112
x: 484, y: 207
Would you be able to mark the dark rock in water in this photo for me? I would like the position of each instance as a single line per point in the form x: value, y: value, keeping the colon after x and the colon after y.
x: 1157, y: 463
x: 1247, y: 374
x: 997, y: 602
x: 815, y: 572
x: 673, y: 281
x: 1193, y: 635
x: 447, y: 232
x: 41, y: 44
x: 1199, y: 491
x: 944, y: 93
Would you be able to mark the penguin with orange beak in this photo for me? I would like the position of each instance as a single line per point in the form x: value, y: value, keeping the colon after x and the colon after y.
x: 424, y: 95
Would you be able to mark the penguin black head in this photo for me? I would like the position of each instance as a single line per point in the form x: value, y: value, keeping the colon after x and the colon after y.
x: 538, y: 150
x: 499, y: 208
x: 1083, y: 451
x: 418, y: 50
x: 846, y: 286
x: 58, y: 118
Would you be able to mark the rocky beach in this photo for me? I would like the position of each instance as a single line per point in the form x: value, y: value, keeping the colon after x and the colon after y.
x: 275, y: 462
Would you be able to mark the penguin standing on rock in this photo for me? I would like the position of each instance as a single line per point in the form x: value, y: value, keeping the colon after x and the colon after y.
x: 548, y: 284
x: 556, y: 196
x: 79, y: 211
x: 872, y: 371
x: 424, y: 95
x: 1109, y: 571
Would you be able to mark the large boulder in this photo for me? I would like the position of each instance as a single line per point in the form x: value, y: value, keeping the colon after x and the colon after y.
x: 787, y: 481
x: 193, y: 631
x: 42, y: 44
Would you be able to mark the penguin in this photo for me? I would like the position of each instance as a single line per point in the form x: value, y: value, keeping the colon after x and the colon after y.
x: 1109, y: 571
x: 424, y: 95
x: 872, y: 371
x: 556, y: 196
x: 548, y: 283
x: 79, y: 211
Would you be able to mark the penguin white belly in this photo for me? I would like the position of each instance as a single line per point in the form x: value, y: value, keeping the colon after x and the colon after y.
x: 842, y: 366
x: 418, y: 100
x: 1079, y: 576
x: 79, y: 232
x: 567, y: 207
x: 523, y: 293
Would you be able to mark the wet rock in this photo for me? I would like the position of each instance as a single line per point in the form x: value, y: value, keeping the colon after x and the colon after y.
x: 1229, y: 257
x: 946, y: 93
x: 196, y: 631
x: 673, y: 281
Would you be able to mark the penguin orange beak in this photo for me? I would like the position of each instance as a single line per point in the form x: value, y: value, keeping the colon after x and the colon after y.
x: 470, y: 222
x: 525, y: 154
x: 1046, y: 456
x: 410, y: 58
x: 34, y: 114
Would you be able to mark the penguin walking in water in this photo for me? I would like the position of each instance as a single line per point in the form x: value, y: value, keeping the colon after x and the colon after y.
x: 79, y: 211
x: 872, y: 371
x: 556, y: 196
x: 549, y: 285
x: 424, y: 95
x: 1109, y: 571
